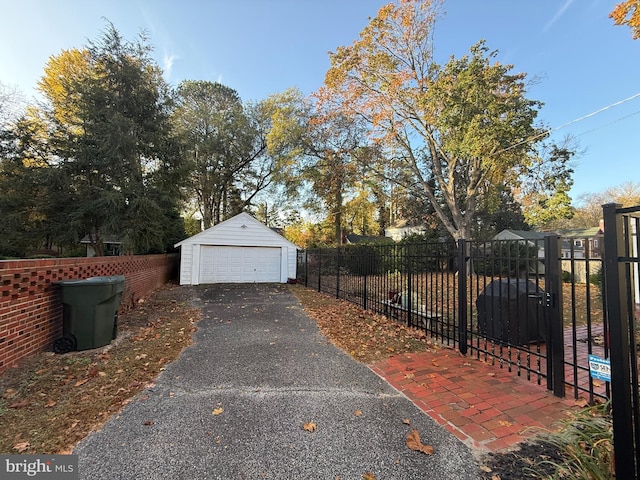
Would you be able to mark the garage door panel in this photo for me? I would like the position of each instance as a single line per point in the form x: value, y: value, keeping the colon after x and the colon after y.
x: 222, y: 264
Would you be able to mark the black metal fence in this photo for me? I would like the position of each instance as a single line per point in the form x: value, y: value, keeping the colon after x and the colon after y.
x: 533, y: 307
x: 544, y: 309
x: 622, y: 284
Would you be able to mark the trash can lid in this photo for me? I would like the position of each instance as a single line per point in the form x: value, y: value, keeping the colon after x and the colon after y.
x: 110, y: 279
x: 107, y: 280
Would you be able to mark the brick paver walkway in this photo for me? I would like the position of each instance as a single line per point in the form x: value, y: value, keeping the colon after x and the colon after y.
x: 487, y: 407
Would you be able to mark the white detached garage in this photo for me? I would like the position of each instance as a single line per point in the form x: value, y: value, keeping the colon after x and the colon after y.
x: 238, y: 250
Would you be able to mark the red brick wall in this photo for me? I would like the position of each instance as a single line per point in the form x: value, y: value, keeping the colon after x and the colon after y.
x: 30, y: 307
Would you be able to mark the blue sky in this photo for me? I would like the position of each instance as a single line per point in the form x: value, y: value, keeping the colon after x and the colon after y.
x: 582, y: 62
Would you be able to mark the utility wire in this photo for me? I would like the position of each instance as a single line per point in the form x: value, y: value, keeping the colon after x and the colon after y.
x: 550, y: 130
x: 610, y: 123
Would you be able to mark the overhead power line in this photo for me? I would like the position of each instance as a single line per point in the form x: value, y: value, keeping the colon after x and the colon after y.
x: 564, y: 125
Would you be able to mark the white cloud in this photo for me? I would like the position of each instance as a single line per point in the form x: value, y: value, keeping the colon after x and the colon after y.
x: 557, y: 15
x: 167, y: 63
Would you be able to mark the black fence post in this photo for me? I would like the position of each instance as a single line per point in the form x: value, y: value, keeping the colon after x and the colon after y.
x: 618, y: 315
x: 319, y: 268
x: 338, y: 272
x: 408, y: 260
x: 462, y: 297
x: 306, y: 268
x: 365, y: 293
x: 553, y: 313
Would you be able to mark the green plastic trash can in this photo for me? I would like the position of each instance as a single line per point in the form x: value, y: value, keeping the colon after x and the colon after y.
x: 90, y: 312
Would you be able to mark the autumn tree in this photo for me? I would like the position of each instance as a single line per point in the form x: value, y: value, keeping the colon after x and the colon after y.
x: 33, y: 192
x: 628, y: 13
x: 360, y: 210
x: 225, y: 143
x: 107, y: 113
x: 499, y: 211
x: 320, y: 152
x: 588, y: 207
x: 268, y: 214
x: 544, y: 187
x: 453, y: 130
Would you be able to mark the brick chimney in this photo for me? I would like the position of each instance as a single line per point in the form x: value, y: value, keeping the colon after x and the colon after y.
x: 601, y: 225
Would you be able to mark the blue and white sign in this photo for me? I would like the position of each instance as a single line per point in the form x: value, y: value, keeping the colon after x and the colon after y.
x: 600, y: 368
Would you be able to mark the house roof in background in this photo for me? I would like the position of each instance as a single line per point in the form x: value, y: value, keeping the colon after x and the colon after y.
x: 523, y: 234
x: 580, y: 232
x: 353, y: 238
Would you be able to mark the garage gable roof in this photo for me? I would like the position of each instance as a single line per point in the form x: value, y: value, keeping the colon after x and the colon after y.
x: 241, y: 226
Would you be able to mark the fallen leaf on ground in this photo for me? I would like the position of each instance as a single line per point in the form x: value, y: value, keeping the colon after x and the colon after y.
x: 148, y: 423
x: 81, y: 382
x: 50, y: 403
x: 217, y: 411
x: 485, y: 469
x: 20, y: 404
x: 10, y: 393
x: 406, y: 421
x: 368, y: 476
x: 357, y: 413
x: 581, y: 402
x: 414, y: 443
x: 504, y: 423
x: 21, y: 446
x: 309, y: 427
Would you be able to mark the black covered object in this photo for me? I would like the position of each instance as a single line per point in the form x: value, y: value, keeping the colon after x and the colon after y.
x: 509, y: 312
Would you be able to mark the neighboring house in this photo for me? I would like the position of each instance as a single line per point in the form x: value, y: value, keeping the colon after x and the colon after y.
x: 404, y: 229
x: 238, y: 250
x: 576, y: 244
x: 535, y: 239
x: 352, y: 238
x: 112, y: 246
x: 575, y: 241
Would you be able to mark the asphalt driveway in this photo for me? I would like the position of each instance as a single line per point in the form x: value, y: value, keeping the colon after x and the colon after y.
x: 261, y: 365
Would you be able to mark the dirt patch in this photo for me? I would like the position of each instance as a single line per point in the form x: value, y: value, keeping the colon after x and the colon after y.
x: 529, y: 460
x: 50, y: 402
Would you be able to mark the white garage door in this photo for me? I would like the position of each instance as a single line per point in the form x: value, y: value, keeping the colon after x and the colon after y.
x: 239, y: 264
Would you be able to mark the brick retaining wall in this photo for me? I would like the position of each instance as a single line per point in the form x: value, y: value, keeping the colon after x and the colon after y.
x: 30, y: 307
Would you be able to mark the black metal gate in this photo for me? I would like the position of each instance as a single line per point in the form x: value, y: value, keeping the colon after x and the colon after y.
x: 510, y: 307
